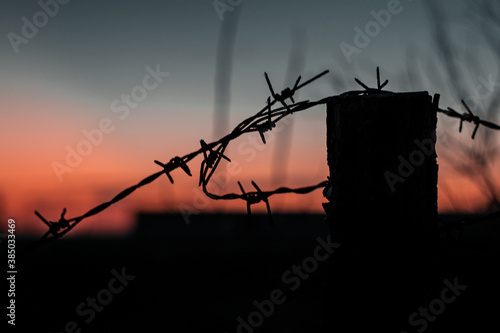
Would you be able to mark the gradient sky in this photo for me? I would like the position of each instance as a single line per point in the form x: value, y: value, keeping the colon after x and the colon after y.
x: 66, y: 77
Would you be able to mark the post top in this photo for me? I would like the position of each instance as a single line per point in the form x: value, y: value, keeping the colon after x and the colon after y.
x: 378, y: 94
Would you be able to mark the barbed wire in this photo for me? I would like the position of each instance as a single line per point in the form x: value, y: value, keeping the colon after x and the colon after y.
x: 469, y: 117
x: 466, y: 116
x: 263, y: 121
x: 213, y: 152
x: 252, y: 198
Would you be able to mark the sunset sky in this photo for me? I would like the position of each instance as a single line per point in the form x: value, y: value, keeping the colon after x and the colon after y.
x: 69, y: 75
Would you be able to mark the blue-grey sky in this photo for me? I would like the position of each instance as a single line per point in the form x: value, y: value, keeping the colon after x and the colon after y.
x: 98, y: 49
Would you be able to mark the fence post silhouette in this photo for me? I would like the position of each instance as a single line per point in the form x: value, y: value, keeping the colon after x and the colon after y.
x: 382, y: 208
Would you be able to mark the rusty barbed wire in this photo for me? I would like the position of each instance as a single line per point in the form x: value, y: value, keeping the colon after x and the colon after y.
x: 263, y: 121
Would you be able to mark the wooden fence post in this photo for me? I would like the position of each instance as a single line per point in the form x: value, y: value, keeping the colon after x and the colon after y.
x: 382, y: 208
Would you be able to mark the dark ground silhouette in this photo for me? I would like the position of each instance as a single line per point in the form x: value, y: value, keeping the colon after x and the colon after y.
x: 200, y: 277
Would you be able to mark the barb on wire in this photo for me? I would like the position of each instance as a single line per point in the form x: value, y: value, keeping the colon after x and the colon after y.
x: 210, y: 159
x: 285, y: 94
x: 176, y: 162
x: 367, y: 90
x: 213, y: 153
x: 54, y: 227
x: 469, y: 117
x: 254, y: 198
x: 269, y: 125
x: 379, y: 86
x: 288, y: 93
